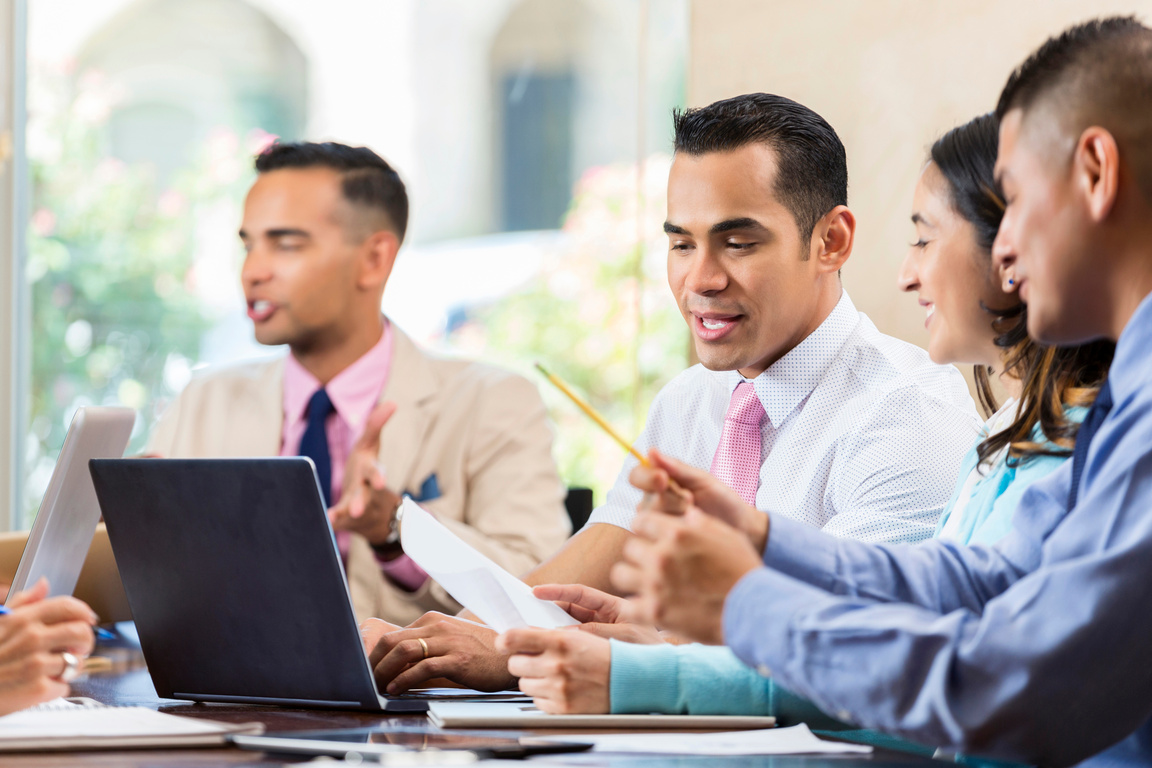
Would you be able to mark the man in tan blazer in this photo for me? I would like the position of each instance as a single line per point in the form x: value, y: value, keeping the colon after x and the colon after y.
x: 470, y: 442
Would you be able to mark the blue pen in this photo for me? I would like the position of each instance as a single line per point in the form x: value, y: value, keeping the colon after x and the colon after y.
x: 101, y: 633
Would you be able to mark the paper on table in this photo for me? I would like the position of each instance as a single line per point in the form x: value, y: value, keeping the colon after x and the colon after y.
x: 63, y: 725
x: 500, y: 599
x: 796, y: 740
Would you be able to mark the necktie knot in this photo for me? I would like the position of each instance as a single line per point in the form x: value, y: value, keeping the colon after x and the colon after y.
x: 737, y: 459
x: 745, y: 407
x: 319, y: 406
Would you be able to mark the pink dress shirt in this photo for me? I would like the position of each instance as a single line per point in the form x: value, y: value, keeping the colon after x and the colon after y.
x: 354, y: 392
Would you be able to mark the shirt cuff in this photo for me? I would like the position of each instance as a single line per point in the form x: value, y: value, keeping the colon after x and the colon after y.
x: 404, y: 572
x: 801, y: 551
x: 760, y: 613
x: 643, y: 678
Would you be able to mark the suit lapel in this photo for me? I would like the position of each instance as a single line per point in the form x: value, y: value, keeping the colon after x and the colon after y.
x: 263, y: 416
x: 413, y: 386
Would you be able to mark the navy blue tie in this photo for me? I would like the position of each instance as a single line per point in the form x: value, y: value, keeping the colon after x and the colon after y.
x: 1096, y: 415
x: 314, y: 443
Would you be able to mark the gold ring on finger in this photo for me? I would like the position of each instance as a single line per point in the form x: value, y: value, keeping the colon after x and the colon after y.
x: 423, y: 646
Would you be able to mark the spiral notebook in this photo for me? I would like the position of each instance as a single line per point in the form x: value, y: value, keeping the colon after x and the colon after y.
x: 74, y: 724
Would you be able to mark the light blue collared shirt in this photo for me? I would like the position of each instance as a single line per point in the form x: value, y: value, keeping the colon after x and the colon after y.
x: 1037, y: 649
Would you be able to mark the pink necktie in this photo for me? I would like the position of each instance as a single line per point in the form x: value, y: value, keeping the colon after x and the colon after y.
x: 737, y: 459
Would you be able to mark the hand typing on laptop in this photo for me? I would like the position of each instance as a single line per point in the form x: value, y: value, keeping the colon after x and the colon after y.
x: 401, y: 661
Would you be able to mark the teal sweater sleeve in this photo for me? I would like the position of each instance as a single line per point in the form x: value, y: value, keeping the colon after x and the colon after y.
x: 701, y: 680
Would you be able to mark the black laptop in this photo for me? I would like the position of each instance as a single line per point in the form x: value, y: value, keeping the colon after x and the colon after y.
x: 235, y: 582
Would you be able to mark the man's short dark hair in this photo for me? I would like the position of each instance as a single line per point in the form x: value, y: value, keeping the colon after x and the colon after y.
x: 1095, y: 73
x: 368, y: 181
x: 812, y: 170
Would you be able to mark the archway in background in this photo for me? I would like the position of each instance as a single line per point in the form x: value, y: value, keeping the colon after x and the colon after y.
x: 187, y: 67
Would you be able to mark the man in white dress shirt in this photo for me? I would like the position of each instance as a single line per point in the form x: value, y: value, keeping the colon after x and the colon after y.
x: 799, y: 403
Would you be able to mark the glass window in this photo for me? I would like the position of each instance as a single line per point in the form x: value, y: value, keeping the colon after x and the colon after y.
x: 533, y: 136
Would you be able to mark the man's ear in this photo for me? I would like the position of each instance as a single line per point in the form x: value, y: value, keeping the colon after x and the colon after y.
x: 1096, y: 171
x: 832, y: 239
x: 378, y: 258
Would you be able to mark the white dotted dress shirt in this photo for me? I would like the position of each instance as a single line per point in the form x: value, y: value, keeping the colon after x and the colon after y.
x: 864, y: 435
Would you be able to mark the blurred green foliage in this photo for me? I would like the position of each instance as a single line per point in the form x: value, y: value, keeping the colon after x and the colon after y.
x: 109, y: 271
x: 600, y: 316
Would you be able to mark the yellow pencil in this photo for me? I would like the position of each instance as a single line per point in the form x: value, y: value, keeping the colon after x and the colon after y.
x: 596, y: 417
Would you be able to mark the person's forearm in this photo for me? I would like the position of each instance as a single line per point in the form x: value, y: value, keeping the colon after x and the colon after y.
x: 931, y: 574
x: 995, y: 683
x: 685, y: 679
x: 701, y: 680
x: 587, y: 558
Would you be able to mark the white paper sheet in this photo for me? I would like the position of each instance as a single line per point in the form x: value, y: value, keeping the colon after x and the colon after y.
x: 500, y: 599
x: 520, y: 715
x: 796, y: 740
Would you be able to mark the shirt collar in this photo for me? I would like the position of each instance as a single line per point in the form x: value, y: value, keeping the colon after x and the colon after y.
x: 788, y: 381
x: 1131, y: 367
x: 353, y: 391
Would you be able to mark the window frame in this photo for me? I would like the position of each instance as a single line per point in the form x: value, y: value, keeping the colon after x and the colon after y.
x: 14, y: 313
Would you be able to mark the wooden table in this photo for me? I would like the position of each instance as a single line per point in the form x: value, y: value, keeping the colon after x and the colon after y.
x: 128, y: 684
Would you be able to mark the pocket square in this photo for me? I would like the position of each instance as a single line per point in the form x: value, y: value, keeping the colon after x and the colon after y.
x: 429, y: 490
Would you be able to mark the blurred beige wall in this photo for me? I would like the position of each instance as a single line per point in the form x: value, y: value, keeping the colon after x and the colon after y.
x: 890, y: 76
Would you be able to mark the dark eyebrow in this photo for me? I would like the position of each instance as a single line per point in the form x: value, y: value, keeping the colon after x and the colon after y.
x: 286, y: 232
x: 917, y: 218
x: 733, y: 224
x: 672, y: 229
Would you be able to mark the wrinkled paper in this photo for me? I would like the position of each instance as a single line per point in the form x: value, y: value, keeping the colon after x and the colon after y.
x: 497, y: 597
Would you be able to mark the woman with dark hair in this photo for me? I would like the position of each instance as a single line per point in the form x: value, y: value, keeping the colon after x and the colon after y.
x: 973, y: 316
x: 956, y: 212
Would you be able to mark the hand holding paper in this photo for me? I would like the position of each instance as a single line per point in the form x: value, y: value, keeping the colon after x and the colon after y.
x: 497, y: 597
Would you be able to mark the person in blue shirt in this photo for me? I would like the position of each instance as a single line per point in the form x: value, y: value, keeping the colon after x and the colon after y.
x: 1036, y: 649
x: 973, y: 315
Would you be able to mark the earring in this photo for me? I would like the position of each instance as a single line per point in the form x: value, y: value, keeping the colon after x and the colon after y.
x: 1011, y: 281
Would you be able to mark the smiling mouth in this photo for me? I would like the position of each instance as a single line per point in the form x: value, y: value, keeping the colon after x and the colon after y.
x: 714, y: 328
x: 260, y: 310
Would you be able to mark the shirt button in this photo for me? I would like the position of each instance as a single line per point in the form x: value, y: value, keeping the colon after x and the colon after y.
x: 764, y: 670
x: 844, y: 715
